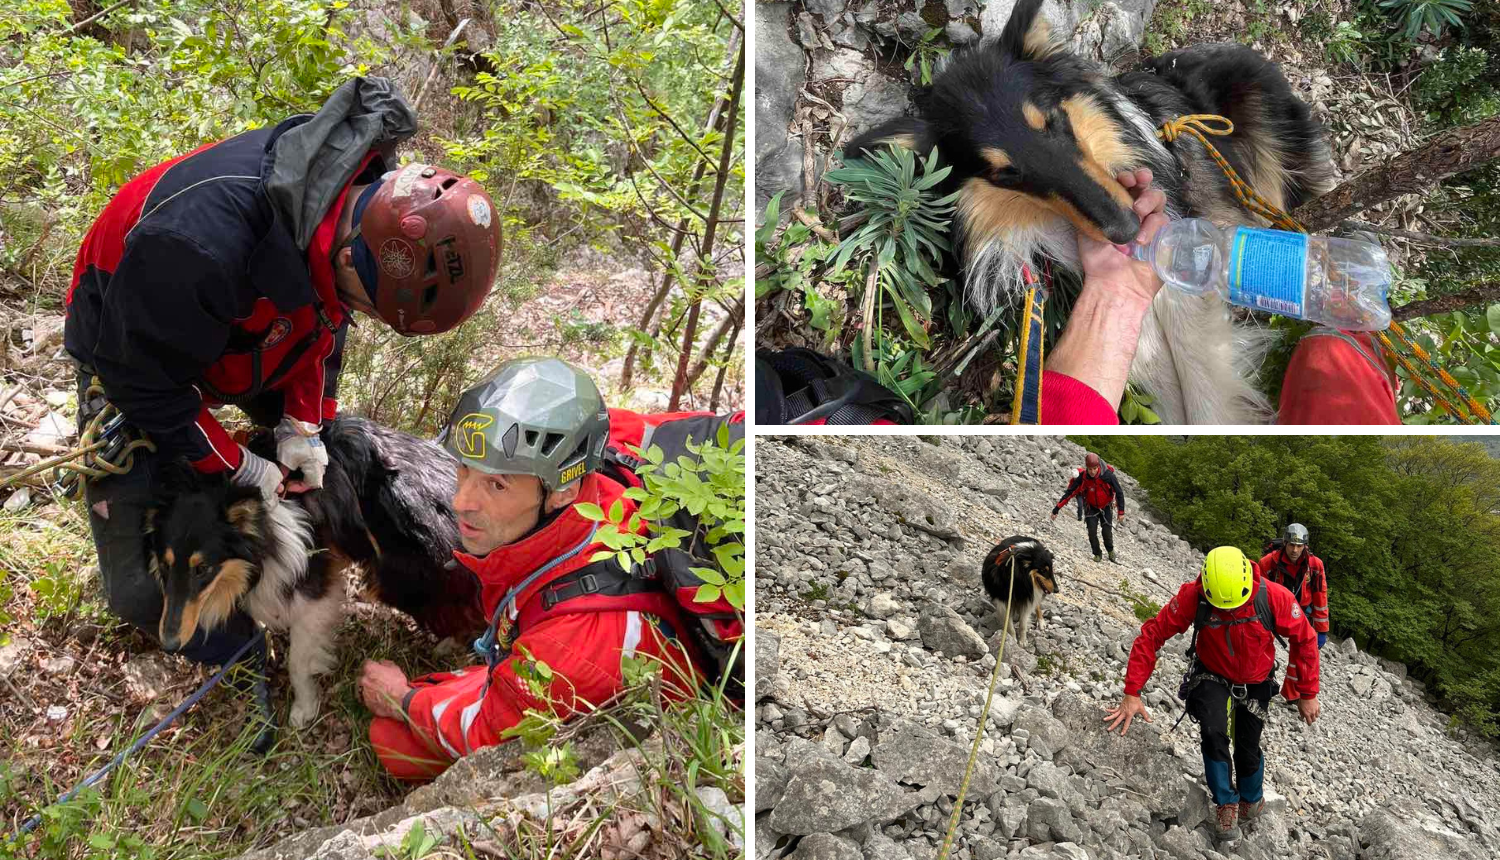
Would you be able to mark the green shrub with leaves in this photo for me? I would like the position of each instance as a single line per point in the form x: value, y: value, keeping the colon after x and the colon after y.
x: 709, y: 486
x: 1433, y: 15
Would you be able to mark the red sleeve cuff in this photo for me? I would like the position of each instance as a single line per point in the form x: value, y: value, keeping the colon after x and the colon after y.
x: 1065, y: 400
x: 330, y: 409
x: 224, y: 455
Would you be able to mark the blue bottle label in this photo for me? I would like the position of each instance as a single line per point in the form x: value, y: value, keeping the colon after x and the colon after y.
x: 1267, y: 270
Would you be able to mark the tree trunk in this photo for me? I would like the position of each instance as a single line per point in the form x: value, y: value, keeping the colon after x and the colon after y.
x: 1448, y: 153
x: 706, y: 252
x: 1487, y: 294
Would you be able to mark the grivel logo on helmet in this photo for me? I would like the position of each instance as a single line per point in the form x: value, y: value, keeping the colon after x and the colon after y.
x: 471, y: 434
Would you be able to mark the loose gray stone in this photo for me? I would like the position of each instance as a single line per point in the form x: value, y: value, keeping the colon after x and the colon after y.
x: 943, y: 630
x: 825, y: 796
x: 826, y: 846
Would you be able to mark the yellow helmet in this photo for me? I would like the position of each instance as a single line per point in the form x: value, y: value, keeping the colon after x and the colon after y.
x: 1227, y: 577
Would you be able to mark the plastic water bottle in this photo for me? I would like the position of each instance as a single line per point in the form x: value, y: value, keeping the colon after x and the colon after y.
x: 1338, y: 282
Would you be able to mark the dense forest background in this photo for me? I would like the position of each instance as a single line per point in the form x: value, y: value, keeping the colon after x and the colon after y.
x: 1408, y: 528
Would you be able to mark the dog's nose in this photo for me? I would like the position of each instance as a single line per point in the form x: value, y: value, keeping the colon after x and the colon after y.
x: 1123, y: 228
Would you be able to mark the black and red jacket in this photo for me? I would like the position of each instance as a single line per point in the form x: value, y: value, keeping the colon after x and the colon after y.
x: 190, y: 292
x: 1097, y: 492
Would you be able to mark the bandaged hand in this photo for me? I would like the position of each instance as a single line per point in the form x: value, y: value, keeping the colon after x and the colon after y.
x: 259, y: 473
x: 298, y: 446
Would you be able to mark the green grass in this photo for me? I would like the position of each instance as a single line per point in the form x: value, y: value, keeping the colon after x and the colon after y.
x: 1170, y: 22
x: 197, y: 792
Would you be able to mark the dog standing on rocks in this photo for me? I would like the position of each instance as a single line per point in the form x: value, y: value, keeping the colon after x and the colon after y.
x: 1020, y: 567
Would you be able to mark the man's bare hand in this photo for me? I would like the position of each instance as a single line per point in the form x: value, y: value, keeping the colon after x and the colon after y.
x: 1308, y: 710
x: 382, y: 687
x: 1129, y: 707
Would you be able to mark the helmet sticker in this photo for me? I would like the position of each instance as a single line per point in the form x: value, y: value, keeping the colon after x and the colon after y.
x: 471, y: 441
x: 397, y: 258
x: 479, y: 210
x: 571, y: 474
x: 405, y: 180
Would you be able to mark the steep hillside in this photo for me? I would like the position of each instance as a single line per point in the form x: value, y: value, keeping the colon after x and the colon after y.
x: 875, y: 644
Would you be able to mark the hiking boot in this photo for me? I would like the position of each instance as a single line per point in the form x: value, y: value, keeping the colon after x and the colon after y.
x: 1250, y: 811
x: 1080, y: 516
x: 1226, y: 825
x: 1098, y: 557
x: 1112, y: 557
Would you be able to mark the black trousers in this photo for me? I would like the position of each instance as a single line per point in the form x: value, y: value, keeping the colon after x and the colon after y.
x: 1220, y: 715
x: 117, y: 517
x: 1100, y: 518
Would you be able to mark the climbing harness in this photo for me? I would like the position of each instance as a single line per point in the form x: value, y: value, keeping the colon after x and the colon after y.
x: 984, y: 716
x: 105, y: 448
x: 31, y: 823
x: 1198, y: 126
x: 1027, y: 406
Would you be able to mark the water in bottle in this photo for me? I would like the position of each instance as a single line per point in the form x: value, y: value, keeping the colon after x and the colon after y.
x: 1338, y: 282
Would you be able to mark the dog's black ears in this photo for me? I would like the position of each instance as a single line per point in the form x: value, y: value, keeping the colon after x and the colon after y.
x: 909, y: 132
x: 1028, y: 34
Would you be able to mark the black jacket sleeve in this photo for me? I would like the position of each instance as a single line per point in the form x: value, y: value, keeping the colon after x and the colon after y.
x: 166, y: 317
x: 1114, y: 484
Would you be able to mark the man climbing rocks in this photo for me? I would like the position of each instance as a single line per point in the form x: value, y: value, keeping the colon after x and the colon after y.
x: 1235, y: 615
x: 1294, y: 567
x: 229, y: 275
x: 1097, y: 486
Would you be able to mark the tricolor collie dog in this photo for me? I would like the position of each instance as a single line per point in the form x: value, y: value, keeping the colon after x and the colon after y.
x: 384, y: 505
x: 1020, y: 567
x: 1036, y: 134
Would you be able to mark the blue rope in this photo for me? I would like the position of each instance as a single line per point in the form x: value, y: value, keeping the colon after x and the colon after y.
x: 144, y: 739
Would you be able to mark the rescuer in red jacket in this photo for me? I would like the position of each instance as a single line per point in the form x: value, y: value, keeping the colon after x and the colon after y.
x: 1097, y: 486
x: 529, y: 441
x: 1236, y: 615
x: 1301, y: 573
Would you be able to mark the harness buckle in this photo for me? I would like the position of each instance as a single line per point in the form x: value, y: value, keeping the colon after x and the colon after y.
x: 1239, y: 691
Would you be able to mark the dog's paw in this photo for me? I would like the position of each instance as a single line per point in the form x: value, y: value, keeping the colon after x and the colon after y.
x: 304, y: 711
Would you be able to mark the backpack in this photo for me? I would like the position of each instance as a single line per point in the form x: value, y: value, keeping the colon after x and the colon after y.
x: 714, y: 627
x: 1263, y: 614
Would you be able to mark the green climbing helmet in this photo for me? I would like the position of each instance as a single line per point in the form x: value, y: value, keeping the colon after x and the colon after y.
x: 531, y: 416
x: 1227, y: 577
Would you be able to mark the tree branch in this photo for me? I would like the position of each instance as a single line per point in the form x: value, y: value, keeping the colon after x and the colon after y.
x: 706, y: 252
x: 1481, y: 295
x: 92, y: 18
x: 1451, y: 152
x: 1421, y: 237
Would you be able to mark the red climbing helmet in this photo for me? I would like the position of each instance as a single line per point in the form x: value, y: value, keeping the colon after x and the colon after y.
x: 433, y: 240
x: 1091, y: 461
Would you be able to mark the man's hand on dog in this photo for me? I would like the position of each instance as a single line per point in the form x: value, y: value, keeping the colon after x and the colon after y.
x: 1112, y: 264
x: 382, y: 687
x: 1127, y: 710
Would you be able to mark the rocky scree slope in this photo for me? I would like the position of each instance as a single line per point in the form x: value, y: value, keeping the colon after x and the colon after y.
x: 874, y: 644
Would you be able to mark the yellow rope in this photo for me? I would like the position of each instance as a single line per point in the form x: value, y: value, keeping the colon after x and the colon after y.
x: 88, y: 443
x: 963, y: 787
x: 1200, y: 125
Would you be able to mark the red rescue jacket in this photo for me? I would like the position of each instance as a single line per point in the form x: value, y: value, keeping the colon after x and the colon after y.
x: 1307, y: 581
x: 1242, y: 653
x: 456, y: 713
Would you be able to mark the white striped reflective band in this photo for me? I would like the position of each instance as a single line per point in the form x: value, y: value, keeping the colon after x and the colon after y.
x: 632, y: 634
x: 437, y: 720
x: 466, y: 719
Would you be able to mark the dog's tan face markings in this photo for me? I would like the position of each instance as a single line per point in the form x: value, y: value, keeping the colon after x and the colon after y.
x: 1104, y: 154
x: 195, y: 559
x: 1039, y: 44
x: 1076, y: 218
x: 993, y: 214
x: 997, y: 157
x: 1034, y: 116
x: 169, y: 557
x: 1043, y: 583
x: 214, y: 604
